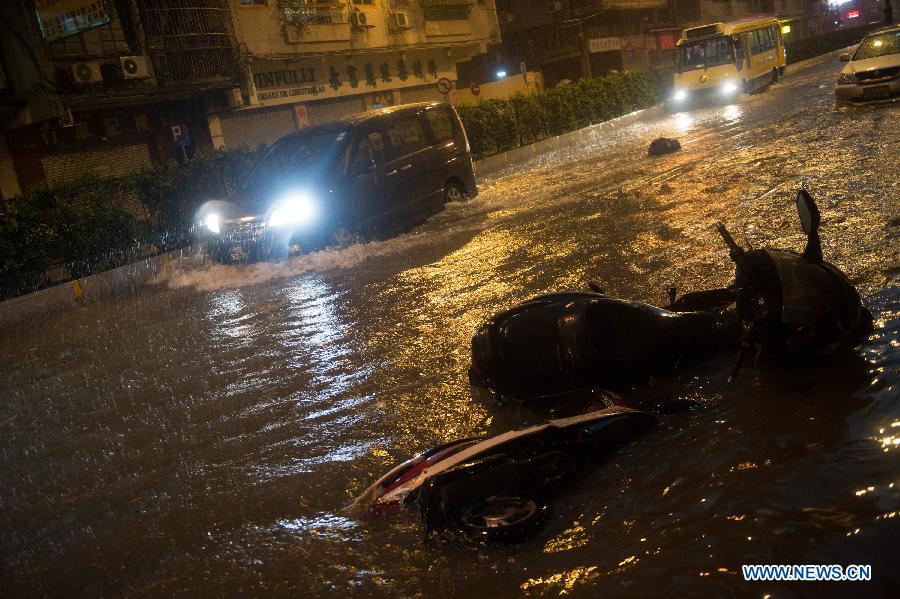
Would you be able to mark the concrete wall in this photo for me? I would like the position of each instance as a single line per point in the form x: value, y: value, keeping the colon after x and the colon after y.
x: 504, y: 88
x: 105, y: 285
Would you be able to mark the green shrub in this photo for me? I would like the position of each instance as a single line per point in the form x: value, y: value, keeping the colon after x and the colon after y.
x: 496, y: 126
x: 90, y: 224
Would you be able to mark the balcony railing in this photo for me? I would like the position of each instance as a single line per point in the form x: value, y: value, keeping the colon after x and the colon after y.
x: 301, y: 14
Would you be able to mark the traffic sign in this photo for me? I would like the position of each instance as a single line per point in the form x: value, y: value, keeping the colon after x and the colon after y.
x: 181, y: 136
x: 443, y: 85
x: 476, y: 89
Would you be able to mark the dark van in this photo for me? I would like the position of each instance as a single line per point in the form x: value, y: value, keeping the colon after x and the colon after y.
x: 370, y: 175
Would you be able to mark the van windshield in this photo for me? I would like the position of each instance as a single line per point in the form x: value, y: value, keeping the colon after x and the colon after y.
x: 295, y: 156
x: 703, y: 54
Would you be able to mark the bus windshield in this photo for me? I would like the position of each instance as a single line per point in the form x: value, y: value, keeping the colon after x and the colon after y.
x: 707, y: 53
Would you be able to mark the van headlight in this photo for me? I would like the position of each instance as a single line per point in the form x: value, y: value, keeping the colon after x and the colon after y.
x: 294, y: 210
x: 213, y: 223
x: 729, y: 87
x: 680, y: 96
x: 846, y: 78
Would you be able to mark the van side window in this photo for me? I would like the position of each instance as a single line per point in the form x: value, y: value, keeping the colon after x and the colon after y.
x: 406, y: 134
x: 370, y: 147
x: 738, y: 52
x: 441, y: 125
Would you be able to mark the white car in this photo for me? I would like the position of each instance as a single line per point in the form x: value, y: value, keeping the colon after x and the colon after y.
x: 872, y: 73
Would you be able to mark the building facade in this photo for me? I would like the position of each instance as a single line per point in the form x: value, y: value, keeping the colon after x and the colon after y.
x: 109, y: 86
x: 570, y: 39
x: 306, y: 62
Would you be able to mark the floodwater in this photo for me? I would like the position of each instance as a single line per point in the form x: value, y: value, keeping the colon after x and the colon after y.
x: 204, y: 438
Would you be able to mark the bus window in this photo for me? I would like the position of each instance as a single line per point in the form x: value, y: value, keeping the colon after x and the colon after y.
x: 738, y: 52
x: 705, y: 53
x: 755, y: 42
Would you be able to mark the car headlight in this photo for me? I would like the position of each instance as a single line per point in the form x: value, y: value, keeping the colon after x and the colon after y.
x: 729, y: 87
x: 213, y: 223
x: 846, y: 78
x: 294, y: 210
x: 680, y: 95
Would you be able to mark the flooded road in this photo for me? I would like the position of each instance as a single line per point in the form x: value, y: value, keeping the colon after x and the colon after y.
x: 204, y: 438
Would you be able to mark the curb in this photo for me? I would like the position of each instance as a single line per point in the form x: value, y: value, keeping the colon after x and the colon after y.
x: 799, y: 66
x: 492, y: 164
x: 126, y: 279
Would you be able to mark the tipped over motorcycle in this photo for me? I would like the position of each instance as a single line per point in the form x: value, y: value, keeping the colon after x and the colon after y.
x: 499, y: 488
x: 786, y: 305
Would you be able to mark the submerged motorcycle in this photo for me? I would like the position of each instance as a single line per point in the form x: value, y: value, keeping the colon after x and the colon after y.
x: 499, y: 488
x: 574, y: 340
x: 794, y: 306
x: 785, y: 304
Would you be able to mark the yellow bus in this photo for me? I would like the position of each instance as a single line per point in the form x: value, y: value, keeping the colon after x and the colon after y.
x: 721, y: 60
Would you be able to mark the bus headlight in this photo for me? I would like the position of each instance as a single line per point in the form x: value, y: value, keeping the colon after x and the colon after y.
x: 295, y: 210
x: 680, y: 96
x: 729, y: 87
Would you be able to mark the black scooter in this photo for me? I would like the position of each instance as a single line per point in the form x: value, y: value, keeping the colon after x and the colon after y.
x: 572, y: 340
x: 787, y: 305
x: 794, y: 306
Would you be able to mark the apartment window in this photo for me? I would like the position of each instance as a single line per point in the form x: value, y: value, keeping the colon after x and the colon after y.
x: 253, y: 2
x: 363, y: 1
x: 446, y: 10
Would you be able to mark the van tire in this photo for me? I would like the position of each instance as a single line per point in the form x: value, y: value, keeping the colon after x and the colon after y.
x: 774, y: 76
x: 454, y: 192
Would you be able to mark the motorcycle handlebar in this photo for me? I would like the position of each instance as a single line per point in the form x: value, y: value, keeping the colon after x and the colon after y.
x: 734, y: 250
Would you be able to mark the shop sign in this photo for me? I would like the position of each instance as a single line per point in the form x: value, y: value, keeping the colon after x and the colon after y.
x: 287, y: 81
x: 61, y: 18
x: 604, y: 44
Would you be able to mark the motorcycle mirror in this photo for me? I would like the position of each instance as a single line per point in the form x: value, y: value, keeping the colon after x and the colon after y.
x: 734, y: 250
x: 808, y: 211
x: 810, y: 219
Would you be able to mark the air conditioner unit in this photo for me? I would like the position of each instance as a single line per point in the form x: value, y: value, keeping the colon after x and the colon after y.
x: 359, y: 20
x: 134, y: 67
x: 554, y: 6
x: 86, y: 72
x: 400, y: 21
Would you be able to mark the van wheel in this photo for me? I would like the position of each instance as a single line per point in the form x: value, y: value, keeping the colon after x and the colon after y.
x: 774, y: 76
x: 453, y: 192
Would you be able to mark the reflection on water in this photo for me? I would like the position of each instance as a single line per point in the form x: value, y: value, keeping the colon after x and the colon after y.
x: 204, y: 438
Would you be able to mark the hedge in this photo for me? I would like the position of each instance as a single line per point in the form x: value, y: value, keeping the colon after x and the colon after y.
x: 56, y: 232
x: 809, y: 47
x: 496, y: 126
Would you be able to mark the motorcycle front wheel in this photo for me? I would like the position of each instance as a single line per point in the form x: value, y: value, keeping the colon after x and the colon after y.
x: 503, y: 519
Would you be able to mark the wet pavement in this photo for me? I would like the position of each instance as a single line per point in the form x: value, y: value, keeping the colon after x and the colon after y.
x: 205, y: 437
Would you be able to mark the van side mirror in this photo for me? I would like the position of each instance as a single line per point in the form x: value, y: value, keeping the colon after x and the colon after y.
x: 364, y: 168
x: 845, y: 57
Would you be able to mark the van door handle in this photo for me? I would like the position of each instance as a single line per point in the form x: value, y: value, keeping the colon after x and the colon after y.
x: 406, y: 167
